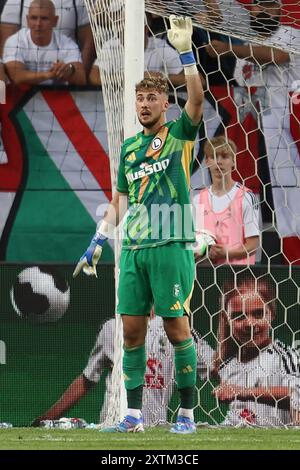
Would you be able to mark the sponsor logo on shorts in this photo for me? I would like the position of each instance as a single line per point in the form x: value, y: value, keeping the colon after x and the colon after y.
x: 176, y: 290
x: 176, y: 306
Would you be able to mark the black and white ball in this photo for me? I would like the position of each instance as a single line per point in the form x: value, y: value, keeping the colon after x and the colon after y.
x: 40, y: 295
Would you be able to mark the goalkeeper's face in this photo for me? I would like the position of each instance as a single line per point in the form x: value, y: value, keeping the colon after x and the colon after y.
x: 151, y: 106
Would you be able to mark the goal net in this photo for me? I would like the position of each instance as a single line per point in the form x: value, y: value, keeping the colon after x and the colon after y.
x: 245, y: 318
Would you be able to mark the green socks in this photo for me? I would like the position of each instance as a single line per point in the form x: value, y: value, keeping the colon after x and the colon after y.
x: 134, y: 367
x: 186, y: 371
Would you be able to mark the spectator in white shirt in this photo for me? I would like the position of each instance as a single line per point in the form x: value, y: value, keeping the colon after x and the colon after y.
x: 73, y: 21
x: 159, y: 57
x: 40, y: 55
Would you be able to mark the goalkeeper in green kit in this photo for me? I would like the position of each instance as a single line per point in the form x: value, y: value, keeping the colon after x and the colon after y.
x: 156, y: 265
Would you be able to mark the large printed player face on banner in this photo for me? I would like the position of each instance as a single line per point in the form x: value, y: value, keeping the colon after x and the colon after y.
x: 258, y: 374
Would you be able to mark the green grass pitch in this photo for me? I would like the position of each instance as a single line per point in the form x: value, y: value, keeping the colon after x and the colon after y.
x: 152, y: 439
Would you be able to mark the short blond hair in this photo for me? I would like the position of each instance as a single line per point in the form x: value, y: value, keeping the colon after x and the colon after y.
x: 219, y: 142
x: 157, y: 82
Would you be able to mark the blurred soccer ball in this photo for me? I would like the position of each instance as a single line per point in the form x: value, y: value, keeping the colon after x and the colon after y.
x: 40, y: 295
x: 204, y: 240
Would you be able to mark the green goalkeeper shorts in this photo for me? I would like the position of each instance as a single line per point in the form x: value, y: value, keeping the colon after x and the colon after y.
x: 162, y: 276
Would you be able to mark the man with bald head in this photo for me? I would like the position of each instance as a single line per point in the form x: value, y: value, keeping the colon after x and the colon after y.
x: 73, y: 21
x: 40, y: 55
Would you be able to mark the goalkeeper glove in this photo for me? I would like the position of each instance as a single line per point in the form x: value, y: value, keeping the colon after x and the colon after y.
x: 90, y: 258
x: 180, y: 36
x: 204, y: 240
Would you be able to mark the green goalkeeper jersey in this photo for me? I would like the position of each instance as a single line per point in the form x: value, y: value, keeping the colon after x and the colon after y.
x: 155, y: 173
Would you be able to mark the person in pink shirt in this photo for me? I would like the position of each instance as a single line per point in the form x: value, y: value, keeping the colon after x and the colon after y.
x: 229, y: 210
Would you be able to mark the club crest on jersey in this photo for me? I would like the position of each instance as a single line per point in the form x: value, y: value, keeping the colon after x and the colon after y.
x: 156, y: 143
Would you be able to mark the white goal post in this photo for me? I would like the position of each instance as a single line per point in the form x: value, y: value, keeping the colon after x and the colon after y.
x: 118, y: 24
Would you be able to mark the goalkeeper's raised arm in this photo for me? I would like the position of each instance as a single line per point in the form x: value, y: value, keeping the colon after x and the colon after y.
x: 180, y: 36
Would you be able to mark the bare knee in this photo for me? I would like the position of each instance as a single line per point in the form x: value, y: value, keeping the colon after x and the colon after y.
x: 134, y: 330
x: 177, y: 329
x: 133, y: 338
